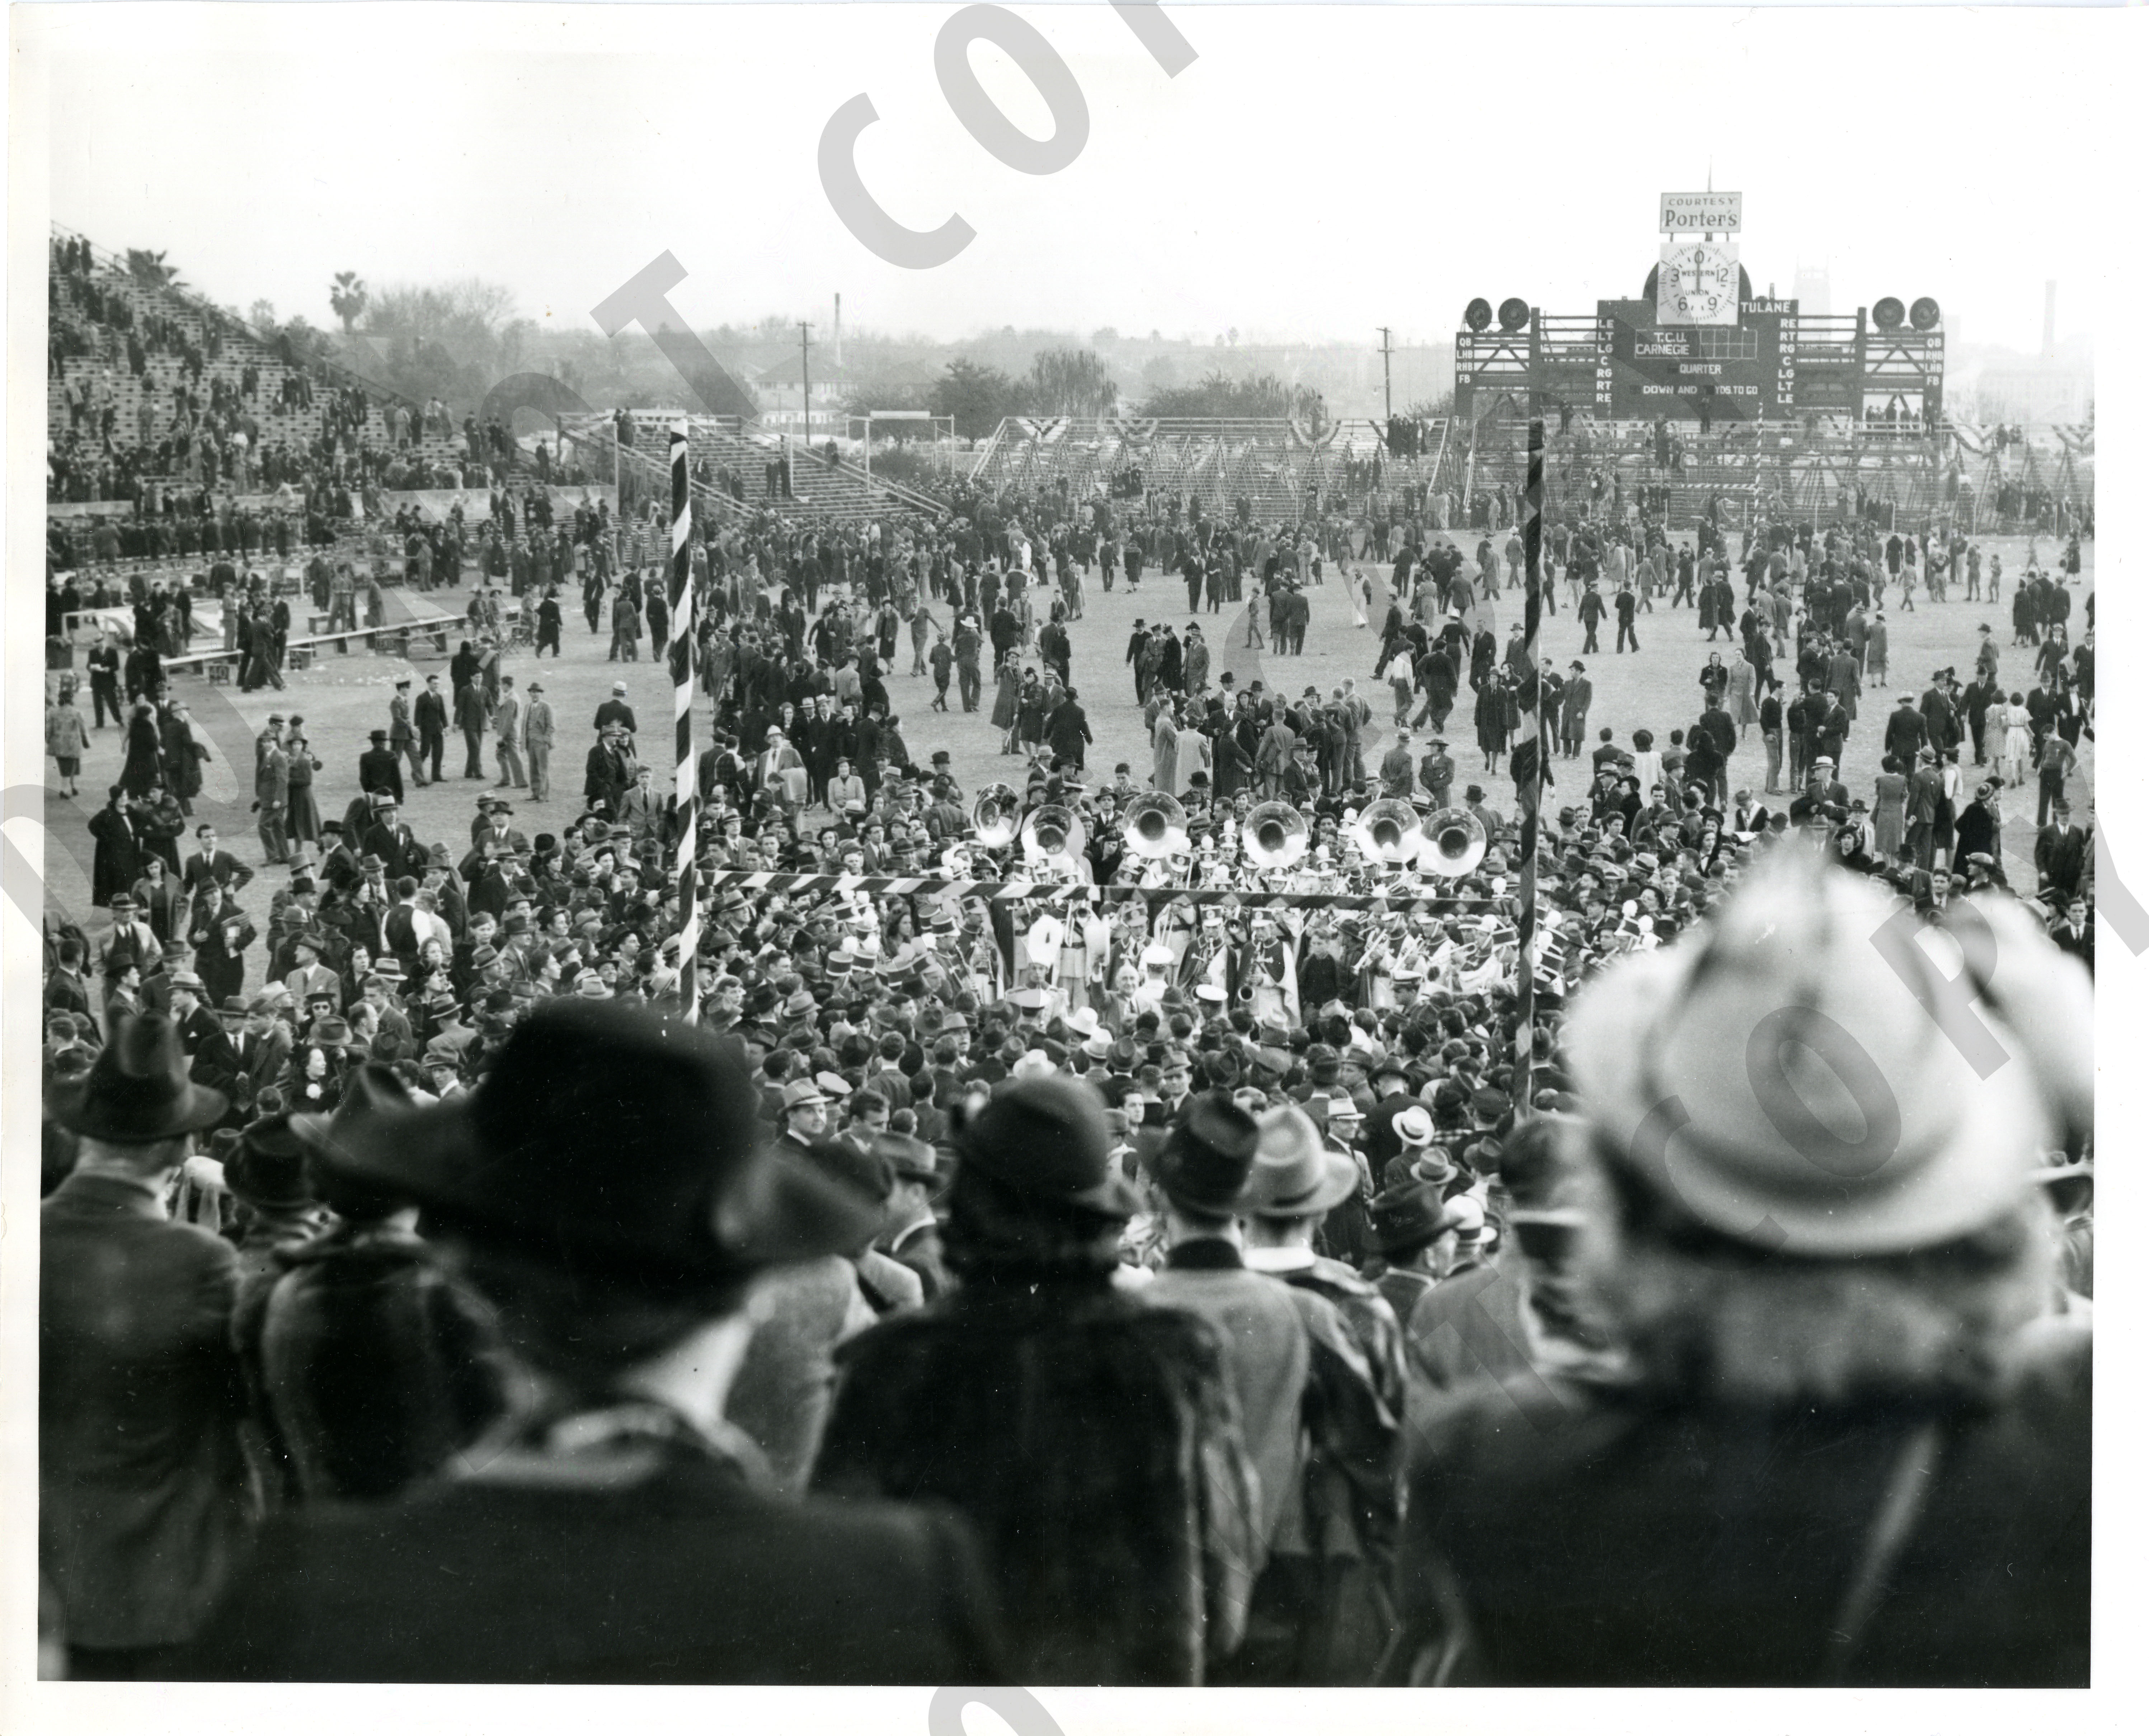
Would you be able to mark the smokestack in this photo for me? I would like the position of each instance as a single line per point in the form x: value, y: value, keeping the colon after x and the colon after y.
x: 2052, y: 317
x: 839, y: 328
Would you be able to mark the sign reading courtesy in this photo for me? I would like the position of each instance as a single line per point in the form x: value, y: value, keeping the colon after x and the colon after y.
x: 1713, y: 213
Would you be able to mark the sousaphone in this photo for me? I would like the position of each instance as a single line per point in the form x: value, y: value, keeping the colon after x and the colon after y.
x: 1450, y: 842
x: 1387, y: 831
x: 1050, y: 832
x: 996, y: 816
x: 1275, y: 836
x: 1155, y: 826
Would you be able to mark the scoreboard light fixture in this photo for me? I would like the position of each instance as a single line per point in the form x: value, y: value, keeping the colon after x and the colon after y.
x: 1924, y: 313
x: 1514, y: 313
x: 1888, y: 313
x: 1478, y: 315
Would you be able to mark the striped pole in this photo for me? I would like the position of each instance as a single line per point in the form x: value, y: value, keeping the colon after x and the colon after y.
x: 685, y: 788
x: 1529, y: 766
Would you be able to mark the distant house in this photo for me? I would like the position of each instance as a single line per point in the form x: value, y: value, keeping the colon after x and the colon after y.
x: 779, y: 388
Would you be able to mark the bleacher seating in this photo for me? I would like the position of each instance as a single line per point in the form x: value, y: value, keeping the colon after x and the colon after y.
x: 1269, y: 466
x: 716, y: 445
x: 102, y: 375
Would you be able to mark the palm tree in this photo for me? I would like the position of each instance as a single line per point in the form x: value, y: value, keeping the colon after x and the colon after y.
x: 348, y: 297
x: 148, y: 268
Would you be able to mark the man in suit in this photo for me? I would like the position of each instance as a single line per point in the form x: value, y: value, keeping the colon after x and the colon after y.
x: 2075, y: 934
x: 131, y: 942
x: 394, y: 843
x: 471, y: 717
x: 309, y: 976
x: 507, y: 736
x: 1921, y: 807
x: 1905, y: 733
x: 430, y: 716
x: 606, y: 774
x: 379, y: 768
x: 403, y: 730
x: 1938, y: 710
x: 211, y: 1061
x: 913, y: 1235
x: 210, y: 866
x: 1067, y: 731
x: 272, y: 796
x: 538, y: 727
x: 263, y: 1047
x: 1977, y: 828
x: 494, y: 813
x: 615, y: 710
x: 2062, y: 851
x: 143, y: 1510
x: 612, y: 1542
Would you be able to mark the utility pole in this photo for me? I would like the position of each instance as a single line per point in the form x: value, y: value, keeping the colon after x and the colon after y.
x: 1387, y: 385
x: 806, y: 382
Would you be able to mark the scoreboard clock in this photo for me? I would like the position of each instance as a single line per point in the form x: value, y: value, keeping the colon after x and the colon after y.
x: 1697, y: 284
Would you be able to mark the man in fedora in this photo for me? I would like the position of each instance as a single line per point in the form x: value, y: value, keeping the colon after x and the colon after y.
x: 1407, y: 1222
x: 143, y: 1490
x: 1302, y: 1389
x: 913, y: 1233
x: 1297, y: 1181
x: 1320, y: 1610
x: 211, y: 1061
x: 613, y: 1529
x: 805, y: 1117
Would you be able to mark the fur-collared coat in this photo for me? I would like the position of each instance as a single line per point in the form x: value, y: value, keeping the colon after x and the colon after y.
x: 373, y: 1365
x: 1095, y: 1444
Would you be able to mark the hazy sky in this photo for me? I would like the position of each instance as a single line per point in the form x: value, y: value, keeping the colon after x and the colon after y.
x: 1317, y: 172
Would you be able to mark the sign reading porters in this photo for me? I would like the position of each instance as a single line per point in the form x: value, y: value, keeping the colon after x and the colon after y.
x: 1700, y: 214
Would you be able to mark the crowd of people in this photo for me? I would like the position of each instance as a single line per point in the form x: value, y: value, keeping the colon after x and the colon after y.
x: 1072, y: 1273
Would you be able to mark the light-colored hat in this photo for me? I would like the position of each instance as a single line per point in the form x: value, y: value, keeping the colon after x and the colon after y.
x: 1414, y: 1127
x: 1826, y: 1110
x: 1294, y: 1176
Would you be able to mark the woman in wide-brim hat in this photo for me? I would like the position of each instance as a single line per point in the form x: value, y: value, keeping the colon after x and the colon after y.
x: 1091, y: 1440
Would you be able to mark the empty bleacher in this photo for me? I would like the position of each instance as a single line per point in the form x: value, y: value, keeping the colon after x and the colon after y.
x: 1269, y: 467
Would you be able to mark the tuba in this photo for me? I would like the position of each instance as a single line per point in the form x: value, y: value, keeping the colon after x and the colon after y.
x: 1387, y: 831
x: 1156, y: 827
x: 1051, y: 831
x: 1450, y: 844
x: 1275, y: 835
x: 996, y: 816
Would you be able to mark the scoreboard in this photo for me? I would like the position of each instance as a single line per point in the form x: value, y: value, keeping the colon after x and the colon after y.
x: 1773, y: 364
x: 1743, y: 372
